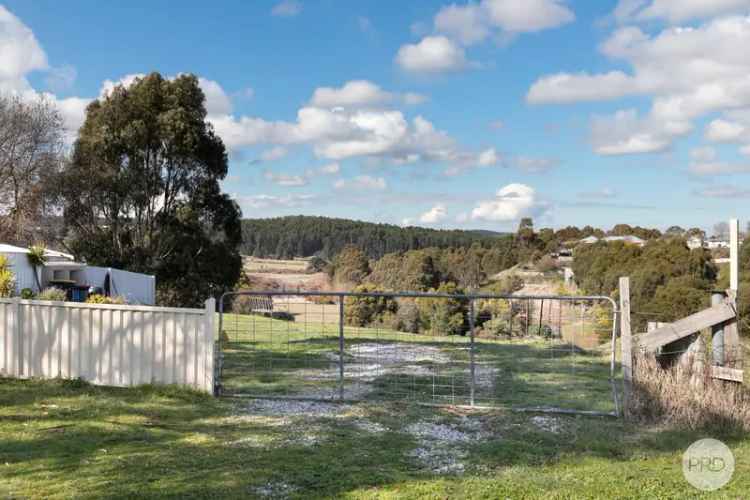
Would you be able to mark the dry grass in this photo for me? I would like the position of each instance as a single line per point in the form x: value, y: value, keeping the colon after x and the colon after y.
x: 685, y: 395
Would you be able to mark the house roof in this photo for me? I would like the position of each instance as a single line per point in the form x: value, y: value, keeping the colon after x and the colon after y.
x: 5, y: 248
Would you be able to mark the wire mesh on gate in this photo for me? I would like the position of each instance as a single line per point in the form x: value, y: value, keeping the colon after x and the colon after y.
x: 488, y: 350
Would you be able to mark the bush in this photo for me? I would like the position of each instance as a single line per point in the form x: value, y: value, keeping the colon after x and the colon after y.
x: 52, y: 293
x: 103, y: 299
x: 365, y: 310
x: 406, y: 318
x: 27, y: 294
x: 7, y: 278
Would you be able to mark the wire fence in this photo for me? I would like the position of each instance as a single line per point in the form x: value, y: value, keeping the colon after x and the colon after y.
x: 521, y: 352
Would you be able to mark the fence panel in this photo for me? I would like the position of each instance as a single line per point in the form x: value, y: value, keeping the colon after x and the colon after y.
x: 116, y: 345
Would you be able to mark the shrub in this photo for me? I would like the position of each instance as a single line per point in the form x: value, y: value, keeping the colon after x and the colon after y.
x: 366, y: 310
x: 52, y: 293
x: 103, y: 299
x: 7, y: 278
x: 27, y: 294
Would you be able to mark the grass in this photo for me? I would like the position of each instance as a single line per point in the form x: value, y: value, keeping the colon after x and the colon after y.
x: 61, y: 440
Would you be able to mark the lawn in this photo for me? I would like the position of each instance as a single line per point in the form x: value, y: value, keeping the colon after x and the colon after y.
x: 62, y: 439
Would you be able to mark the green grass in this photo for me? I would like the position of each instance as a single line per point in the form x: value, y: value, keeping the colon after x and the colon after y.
x: 64, y: 440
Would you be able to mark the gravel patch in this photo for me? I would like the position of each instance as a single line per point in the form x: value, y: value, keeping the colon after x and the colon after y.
x: 370, y: 426
x: 294, y: 408
x: 274, y: 490
x: 441, y: 448
x: 548, y: 424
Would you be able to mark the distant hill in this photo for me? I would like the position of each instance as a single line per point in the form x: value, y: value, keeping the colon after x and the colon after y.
x: 301, y: 236
x: 487, y: 233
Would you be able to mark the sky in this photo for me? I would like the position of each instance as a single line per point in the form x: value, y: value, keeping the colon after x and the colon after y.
x: 431, y: 113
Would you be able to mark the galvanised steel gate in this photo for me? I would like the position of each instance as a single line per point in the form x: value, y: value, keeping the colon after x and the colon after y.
x: 521, y: 352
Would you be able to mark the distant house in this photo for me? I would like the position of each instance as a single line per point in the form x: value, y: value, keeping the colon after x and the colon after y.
x: 715, y: 242
x: 695, y: 242
x: 77, y: 278
x: 629, y: 239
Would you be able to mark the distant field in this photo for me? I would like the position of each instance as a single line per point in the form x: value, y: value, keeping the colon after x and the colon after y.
x: 254, y: 265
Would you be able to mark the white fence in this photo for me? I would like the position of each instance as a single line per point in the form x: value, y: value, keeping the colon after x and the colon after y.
x: 115, y: 345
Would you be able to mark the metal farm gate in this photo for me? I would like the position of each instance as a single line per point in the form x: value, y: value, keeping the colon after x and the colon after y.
x: 520, y: 352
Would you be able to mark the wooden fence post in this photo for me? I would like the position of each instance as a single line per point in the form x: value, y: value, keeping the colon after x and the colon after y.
x: 626, y: 341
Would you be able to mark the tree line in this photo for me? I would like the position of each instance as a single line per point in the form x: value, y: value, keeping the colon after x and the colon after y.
x: 304, y: 236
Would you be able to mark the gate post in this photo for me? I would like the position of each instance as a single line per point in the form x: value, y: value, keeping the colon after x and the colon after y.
x: 626, y: 342
x: 341, y: 347
x: 472, y: 363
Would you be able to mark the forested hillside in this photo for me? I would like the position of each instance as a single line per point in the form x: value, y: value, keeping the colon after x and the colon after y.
x: 301, y: 236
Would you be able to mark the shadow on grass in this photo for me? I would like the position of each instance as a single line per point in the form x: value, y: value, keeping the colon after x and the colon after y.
x: 146, y: 442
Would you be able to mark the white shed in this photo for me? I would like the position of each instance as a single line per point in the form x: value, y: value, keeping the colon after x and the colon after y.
x: 19, y: 264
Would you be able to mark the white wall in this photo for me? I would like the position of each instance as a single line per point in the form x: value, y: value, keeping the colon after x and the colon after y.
x: 108, y: 344
x: 23, y: 270
x: 137, y: 288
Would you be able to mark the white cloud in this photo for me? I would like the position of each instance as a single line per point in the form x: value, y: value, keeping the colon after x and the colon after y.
x: 712, y: 168
x: 433, y: 54
x: 627, y: 133
x: 285, y: 180
x: 254, y: 202
x: 217, y: 101
x: 287, y: 8
x: 20, y: 53
x: 351, y: 94
x: 688, y: 72
x: 724, y: 192
x: 510, y: 203
x: 330, y: 169
x: 534, y: 165
x: 703, y: 154
x: 274, y: 154
x: 676, y: 11
x: 436, y: 214
x: 475, y: 22
x: 488, y: 158
x: 721, y: 130
x: 362, y: 182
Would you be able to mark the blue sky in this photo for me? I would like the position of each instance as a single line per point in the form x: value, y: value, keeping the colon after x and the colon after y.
x: 466, y: 115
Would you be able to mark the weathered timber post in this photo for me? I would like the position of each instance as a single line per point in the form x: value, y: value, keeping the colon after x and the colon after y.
x: 717, y: 332
x: 626, y: 341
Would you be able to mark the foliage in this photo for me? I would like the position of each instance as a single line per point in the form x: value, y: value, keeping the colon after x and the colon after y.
x: 37, y: 258
x: 446, y: 316
x: 364, y: 310
x: 52, y: 293
x: 103, y: 299
x: 142, y: 190
x: 27, y: 294
x: 302, y: 236
x: 7, y: 278
x: 350, y: 267
x: 652, y: 269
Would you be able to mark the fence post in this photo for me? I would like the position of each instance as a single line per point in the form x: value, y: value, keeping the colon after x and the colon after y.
x: 626, y: 341
x: 15, y: 346
x: 717, y: 333
x: 472, y: 363
x: 341, y: 347
x: 212, y: 361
